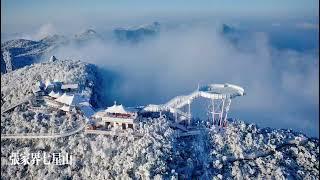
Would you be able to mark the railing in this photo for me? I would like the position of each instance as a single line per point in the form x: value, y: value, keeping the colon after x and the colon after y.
x: 44, y: 135
x: 111, y: 133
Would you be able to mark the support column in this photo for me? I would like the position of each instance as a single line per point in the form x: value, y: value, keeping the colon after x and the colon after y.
x: 227, y: 110
x: 213, y: 111
x: 221, y: 113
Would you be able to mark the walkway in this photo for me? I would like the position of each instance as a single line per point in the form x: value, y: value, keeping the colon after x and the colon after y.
x: 45, y: 135
x: 102, y: 132
x: 219, y: 94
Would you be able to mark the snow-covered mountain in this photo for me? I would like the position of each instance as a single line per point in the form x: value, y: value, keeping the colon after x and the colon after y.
x: 88, y: 34
x: 18, y: 53
x: 136, y: 34
x: 19, y: 83
x: 55, y: 40
x: 238, y: 151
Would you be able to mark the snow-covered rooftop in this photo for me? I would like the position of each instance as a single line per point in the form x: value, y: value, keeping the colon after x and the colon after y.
x: 54, y: 95
x: 70, y: 100
x: 116, y: 109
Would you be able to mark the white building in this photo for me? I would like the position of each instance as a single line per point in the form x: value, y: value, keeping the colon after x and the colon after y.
x: 116, y: 115
x: 65, y: 102
x: 69, y: 101
x: 64, y: 97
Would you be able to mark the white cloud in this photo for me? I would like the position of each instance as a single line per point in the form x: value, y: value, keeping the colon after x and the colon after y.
x: 175, y: 62
x: 45, y: 30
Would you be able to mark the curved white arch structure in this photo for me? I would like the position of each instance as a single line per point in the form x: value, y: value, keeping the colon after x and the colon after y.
x: 219, y: 94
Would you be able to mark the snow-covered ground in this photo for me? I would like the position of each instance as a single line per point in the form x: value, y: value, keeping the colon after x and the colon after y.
x: 44, y: 120
x: 239, y: 151
x: 18, y: 84
x: 99, y: 156
x: 161, y: 154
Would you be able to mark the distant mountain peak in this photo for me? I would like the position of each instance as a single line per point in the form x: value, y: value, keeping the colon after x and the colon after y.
x: 89, y: 31
x: 54, y: 38
x: 87, y: 34
x: 155, y: 26
x: 152, y: 26
x: 137, y: 33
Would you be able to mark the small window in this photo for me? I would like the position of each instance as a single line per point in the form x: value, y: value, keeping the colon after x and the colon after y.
x: 107, y: 124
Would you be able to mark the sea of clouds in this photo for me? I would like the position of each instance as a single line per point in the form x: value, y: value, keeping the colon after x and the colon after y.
x: 282, y: 85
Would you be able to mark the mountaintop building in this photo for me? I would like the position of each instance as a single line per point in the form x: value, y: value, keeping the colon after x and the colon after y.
x: 117, y: 115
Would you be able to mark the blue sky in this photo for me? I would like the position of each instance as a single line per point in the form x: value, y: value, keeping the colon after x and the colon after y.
x: 284, y: 8
x: 35, y: 12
